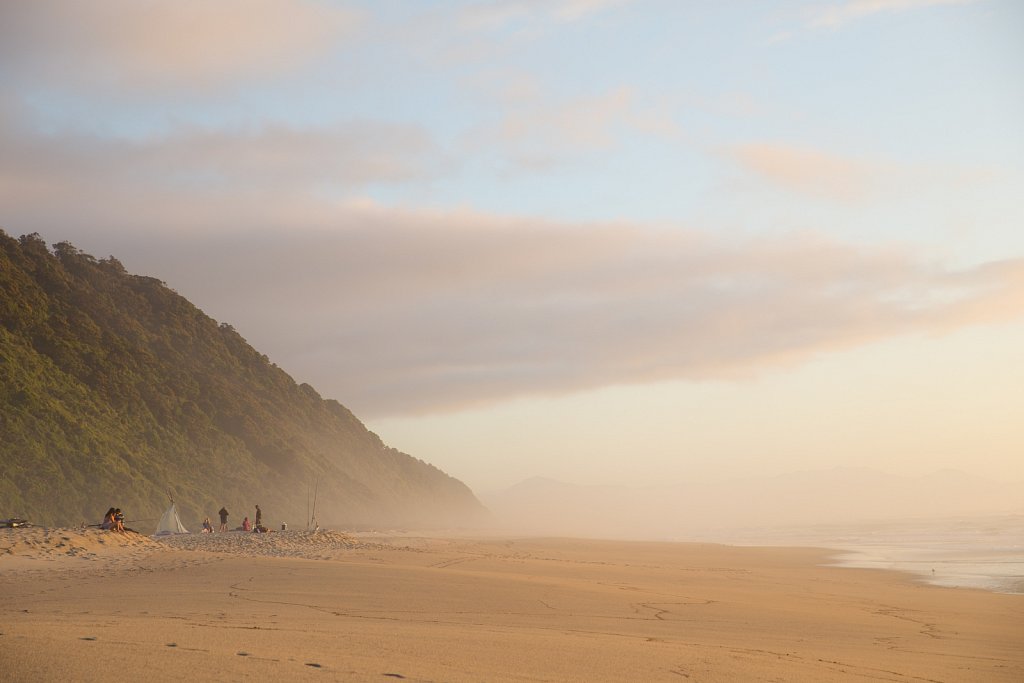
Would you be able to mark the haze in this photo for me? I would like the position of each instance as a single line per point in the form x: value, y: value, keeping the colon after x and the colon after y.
x: 606, y: 242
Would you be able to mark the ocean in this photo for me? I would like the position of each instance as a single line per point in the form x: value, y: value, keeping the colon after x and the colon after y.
x: 965, y: 552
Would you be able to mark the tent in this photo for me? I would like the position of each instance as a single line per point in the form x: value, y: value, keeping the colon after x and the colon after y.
x: 170, y: 523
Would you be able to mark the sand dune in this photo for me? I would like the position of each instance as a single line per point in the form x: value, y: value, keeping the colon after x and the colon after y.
x: 40, y: 543
x: 363, y: 607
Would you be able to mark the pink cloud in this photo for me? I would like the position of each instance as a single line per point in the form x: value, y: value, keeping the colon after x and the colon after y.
x: 406, y: 311
x: 836, y: 15
x: 500, y: 14
x: 409, y: 310
x: 822, y: 175
x: 537, y: 133
x: 146, y: 44
x: 806, y: 171
x: 205, y: 163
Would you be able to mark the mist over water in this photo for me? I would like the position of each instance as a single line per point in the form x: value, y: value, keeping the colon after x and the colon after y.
x: 985, y: 552
x: 949, y: 528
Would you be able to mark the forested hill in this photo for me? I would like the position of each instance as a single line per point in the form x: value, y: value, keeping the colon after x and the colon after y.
x: 115, y: 391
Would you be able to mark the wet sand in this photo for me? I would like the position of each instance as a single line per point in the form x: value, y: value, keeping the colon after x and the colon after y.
x: 374, y: 608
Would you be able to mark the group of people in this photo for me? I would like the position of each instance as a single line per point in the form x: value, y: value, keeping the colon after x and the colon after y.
x: 113, y: 520
x: 256, y: 525
x: 208, y: 527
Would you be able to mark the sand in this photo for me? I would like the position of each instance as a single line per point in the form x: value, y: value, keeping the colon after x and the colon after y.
x: 97, y: 606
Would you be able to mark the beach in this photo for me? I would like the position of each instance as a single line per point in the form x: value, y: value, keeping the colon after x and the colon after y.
x: 88, y: 605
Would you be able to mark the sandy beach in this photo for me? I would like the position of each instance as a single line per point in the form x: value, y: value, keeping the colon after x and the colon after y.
x: 86, y: 605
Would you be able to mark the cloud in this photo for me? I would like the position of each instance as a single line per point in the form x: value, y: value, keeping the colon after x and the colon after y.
x: 584, y: 123
x: 505, y: 14
x: 536, y: 133
x: 806, y: 171
x: 408, y: 310
x: 572, y: 10
x: 472, y: 33
x: 413, y: 311
x: 397, y: 311
x: 205, y: 164
x: 144, y: 44
x: 837, y: 15
x: 822, y: 175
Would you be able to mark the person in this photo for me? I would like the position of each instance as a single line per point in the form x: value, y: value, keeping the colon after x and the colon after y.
x: 118, y: 520
x: 223, y: 519
x: 108, y: 519
x: 259, y: 518
x: 246, y: 526
x: 207, y: 527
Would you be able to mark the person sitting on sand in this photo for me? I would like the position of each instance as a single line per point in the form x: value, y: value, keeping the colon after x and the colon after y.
x: 118, y: 520
x: 246, y: 525
x: 108, y: 520
x: 207, y: 527
x: 223, y: 519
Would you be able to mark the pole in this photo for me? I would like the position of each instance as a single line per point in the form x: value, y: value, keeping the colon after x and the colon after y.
x: 315, y: 491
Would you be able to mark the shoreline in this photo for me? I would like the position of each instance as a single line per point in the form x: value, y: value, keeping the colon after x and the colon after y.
x: 334, y: 606
x: 984, y: 552
x: 998, y: 570
x: 992, y: 572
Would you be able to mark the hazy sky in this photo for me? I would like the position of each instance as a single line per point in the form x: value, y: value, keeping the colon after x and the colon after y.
x: 636, y: 241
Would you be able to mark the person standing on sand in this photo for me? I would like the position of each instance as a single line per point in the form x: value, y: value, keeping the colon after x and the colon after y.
x: 259, y: 517
x: 223, y: 519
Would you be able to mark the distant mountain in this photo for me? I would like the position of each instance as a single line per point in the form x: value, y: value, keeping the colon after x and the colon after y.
x: 115, y: 391
x: 838, y: 496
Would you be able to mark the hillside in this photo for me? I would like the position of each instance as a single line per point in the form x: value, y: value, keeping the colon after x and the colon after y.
x: 115, y: 390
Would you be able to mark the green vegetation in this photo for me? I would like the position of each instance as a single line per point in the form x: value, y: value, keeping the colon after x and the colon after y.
x: 115, y: 390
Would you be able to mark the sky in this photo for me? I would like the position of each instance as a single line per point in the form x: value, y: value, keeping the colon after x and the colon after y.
x: 601, y: 241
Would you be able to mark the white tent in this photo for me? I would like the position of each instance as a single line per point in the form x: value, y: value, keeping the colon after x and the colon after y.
x: 170, y: 523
